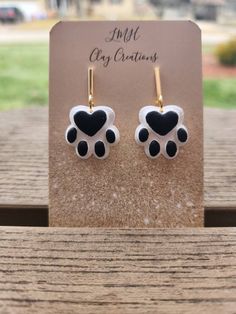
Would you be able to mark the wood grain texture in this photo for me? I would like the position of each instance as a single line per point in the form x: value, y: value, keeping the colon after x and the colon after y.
x: 24, y: 157
x: 53, y: 270
x: 219, y: 158
x: 24, y: 162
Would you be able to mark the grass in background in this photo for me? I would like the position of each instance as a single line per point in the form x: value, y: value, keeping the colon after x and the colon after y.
x: 23, y: 75
x: 220, y: 92
x: 24, y: 79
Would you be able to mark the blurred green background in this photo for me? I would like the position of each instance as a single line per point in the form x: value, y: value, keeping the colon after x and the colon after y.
x: 23, y: 75
x: 24, y: 45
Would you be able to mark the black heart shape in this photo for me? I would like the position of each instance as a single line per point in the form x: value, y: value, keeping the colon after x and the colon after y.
x: 162, y: 123
x: 90, y: 123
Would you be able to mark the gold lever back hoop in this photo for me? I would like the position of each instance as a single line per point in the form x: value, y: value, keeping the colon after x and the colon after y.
x: 159, y: 98
x: 90, y: 89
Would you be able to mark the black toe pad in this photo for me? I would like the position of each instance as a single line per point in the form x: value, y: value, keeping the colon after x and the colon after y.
x: 171, y: 149
x: 182, y: 135
x: 82, y: 148
x: 71, y: 135
x: 100, y: 149
x: 143, y: 135
x: 110, y: 136
x: 154, y: 148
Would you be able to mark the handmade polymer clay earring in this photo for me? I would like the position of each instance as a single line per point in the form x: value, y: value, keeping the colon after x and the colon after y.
x: 161, y: 129
x: 91, y: 130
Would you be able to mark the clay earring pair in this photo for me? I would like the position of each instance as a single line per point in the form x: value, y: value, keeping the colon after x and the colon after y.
x: 92, y: 130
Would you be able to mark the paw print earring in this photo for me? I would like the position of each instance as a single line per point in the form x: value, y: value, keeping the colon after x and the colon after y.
x: 91, y: 130
x: 161, y: 129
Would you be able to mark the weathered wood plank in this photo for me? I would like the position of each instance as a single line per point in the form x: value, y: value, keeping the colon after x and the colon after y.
x: 219, y: 158
x: 24, y: 157
x: 58, y: 270
x: 24, y: 162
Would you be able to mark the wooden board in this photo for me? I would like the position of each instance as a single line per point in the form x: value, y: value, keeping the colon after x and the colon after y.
x: 220, y: 157
x: 24, y: 161
x: 24, y: 157
x: 53, y: 270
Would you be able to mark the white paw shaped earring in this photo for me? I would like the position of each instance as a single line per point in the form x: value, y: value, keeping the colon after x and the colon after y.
x: 161, y: 129
x: 91, y: 131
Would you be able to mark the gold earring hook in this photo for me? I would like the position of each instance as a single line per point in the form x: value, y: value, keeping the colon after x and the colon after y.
x: 159, y: 98
x: 90, y: 89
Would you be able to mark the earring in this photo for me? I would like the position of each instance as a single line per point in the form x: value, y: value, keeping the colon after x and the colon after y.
x: 161, y: 129
x: 91, y: 131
